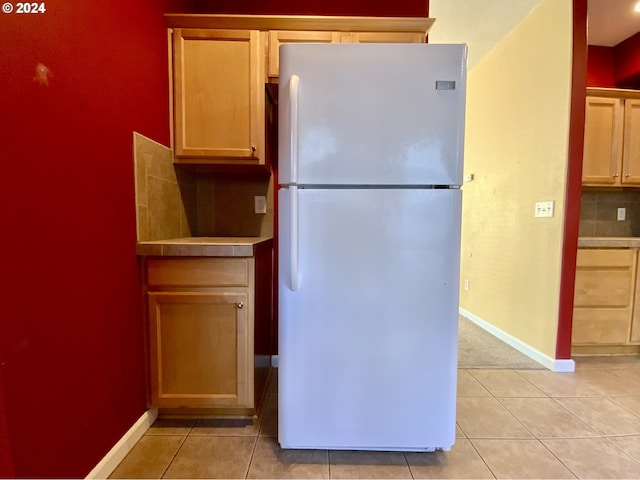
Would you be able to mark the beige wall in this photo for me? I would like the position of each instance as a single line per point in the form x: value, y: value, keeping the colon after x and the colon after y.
x: 516, y: 146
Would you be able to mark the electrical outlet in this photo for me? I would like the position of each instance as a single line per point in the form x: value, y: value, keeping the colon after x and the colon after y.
x: 466, y: 285
x: 622, y: 214
x: 260, y: 204
x: 544, y: 209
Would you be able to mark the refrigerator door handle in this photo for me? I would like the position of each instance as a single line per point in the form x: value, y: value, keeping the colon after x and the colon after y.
x: 293, y: 250
x: 293, y: 118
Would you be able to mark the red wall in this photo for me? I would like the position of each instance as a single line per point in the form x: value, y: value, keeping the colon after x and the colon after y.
x: 627, y: 62
x: 71, y: 347
x: 615, y: 67
x: 71, y: 358
x: 574, y: 180
x: 600, y: 67
x: 401, y: 8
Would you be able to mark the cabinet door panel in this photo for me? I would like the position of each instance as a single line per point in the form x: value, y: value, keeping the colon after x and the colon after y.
x: 198, y: 272
x: 383, y: 37
x: 600, y: 326
x: 218, y: 94
x: 279, y: 37
x: 631, y: 157
x: 604, y: 296
x: 602, y: 141
x: 201, y: 344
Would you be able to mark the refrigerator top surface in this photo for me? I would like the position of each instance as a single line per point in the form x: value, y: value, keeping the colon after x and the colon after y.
x: 371, y: 114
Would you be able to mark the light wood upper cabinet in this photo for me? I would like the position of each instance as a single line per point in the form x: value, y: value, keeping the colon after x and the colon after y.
x: 631, y: 150
x: 279, y: 37
x: 220, y: 64
x: 611, y: 142
x: 605, y: 293
x: 218, y: 96
x: 602, y: 146
x: 383, y: 37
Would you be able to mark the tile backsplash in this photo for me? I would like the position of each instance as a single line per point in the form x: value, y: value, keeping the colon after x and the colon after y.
x: 165, y: 197
x: 599, y: 210
x: 174, y: 201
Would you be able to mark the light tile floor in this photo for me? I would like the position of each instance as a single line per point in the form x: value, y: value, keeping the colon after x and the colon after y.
x: 511, y: 424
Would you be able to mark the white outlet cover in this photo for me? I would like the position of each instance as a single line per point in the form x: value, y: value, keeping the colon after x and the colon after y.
x: 260, y: 204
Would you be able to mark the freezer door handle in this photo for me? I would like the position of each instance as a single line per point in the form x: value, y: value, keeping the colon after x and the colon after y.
x: 293, y: 118
x: 293, y: 250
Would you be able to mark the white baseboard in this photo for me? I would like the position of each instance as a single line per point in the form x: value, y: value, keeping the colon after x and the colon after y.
x: 112, y: 459
x: 551, y: 363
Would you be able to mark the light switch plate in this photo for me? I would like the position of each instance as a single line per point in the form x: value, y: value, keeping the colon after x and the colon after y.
x: 544, y: 209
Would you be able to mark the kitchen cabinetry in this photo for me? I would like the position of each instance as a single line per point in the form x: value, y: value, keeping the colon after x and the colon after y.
x: 383, y: 37
x: 203, y: 315
x: 279, y: 37
x: 218, y: 96
x: 611, y: 139
x: 220, y: 64
x: 606, y: 299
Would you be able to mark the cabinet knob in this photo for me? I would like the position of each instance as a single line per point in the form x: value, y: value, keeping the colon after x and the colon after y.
x: 253, y: 148
x: 240, y: 304
x: 616, y: 176
x: 627, y: 175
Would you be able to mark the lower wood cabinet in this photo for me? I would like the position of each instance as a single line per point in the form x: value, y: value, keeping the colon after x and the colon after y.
x: 201, y: 326
x: 606, y: 301
x: 200, y: 345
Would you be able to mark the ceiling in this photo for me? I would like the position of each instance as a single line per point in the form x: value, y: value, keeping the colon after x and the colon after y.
x: 611, y: 21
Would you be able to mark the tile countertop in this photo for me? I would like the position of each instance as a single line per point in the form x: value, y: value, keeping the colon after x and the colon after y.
x: 609, y: 242
x: 201, y: 247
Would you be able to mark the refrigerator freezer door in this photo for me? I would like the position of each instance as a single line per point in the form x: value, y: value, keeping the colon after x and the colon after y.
x: 375, y: 114
x: 368, y: 339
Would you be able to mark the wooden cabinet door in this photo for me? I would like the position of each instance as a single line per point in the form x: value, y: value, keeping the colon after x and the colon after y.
x: 279, y: 37
x: 201, y: 344
x: 604, y: 293
x: 631, y: 155
x: 602, y: 141
x: 218, y: 95
x: 383, y: 37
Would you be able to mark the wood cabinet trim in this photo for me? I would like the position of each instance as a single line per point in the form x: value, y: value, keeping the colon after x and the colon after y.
x: 613, y: 92
x: 251, y: 153
x: 242, y: 396
x: 299, y: 22
x: 631, y: 152
x: 597, y: 138
x: 606, y: 314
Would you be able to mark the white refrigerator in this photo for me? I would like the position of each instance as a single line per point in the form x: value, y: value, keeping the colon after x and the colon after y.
x: 369, y: 210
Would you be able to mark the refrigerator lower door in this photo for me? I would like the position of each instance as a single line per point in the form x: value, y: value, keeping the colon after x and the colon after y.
x: 368, y: 318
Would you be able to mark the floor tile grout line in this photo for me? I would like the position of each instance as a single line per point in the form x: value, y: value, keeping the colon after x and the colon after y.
x: 164, y: 472
x: 253, y: 452
x: 625, y: 408
x: 557, y: 458
x: 473, y: 445
x: 601, y: 433
x: 624, y: 452
x: 406, y: 462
